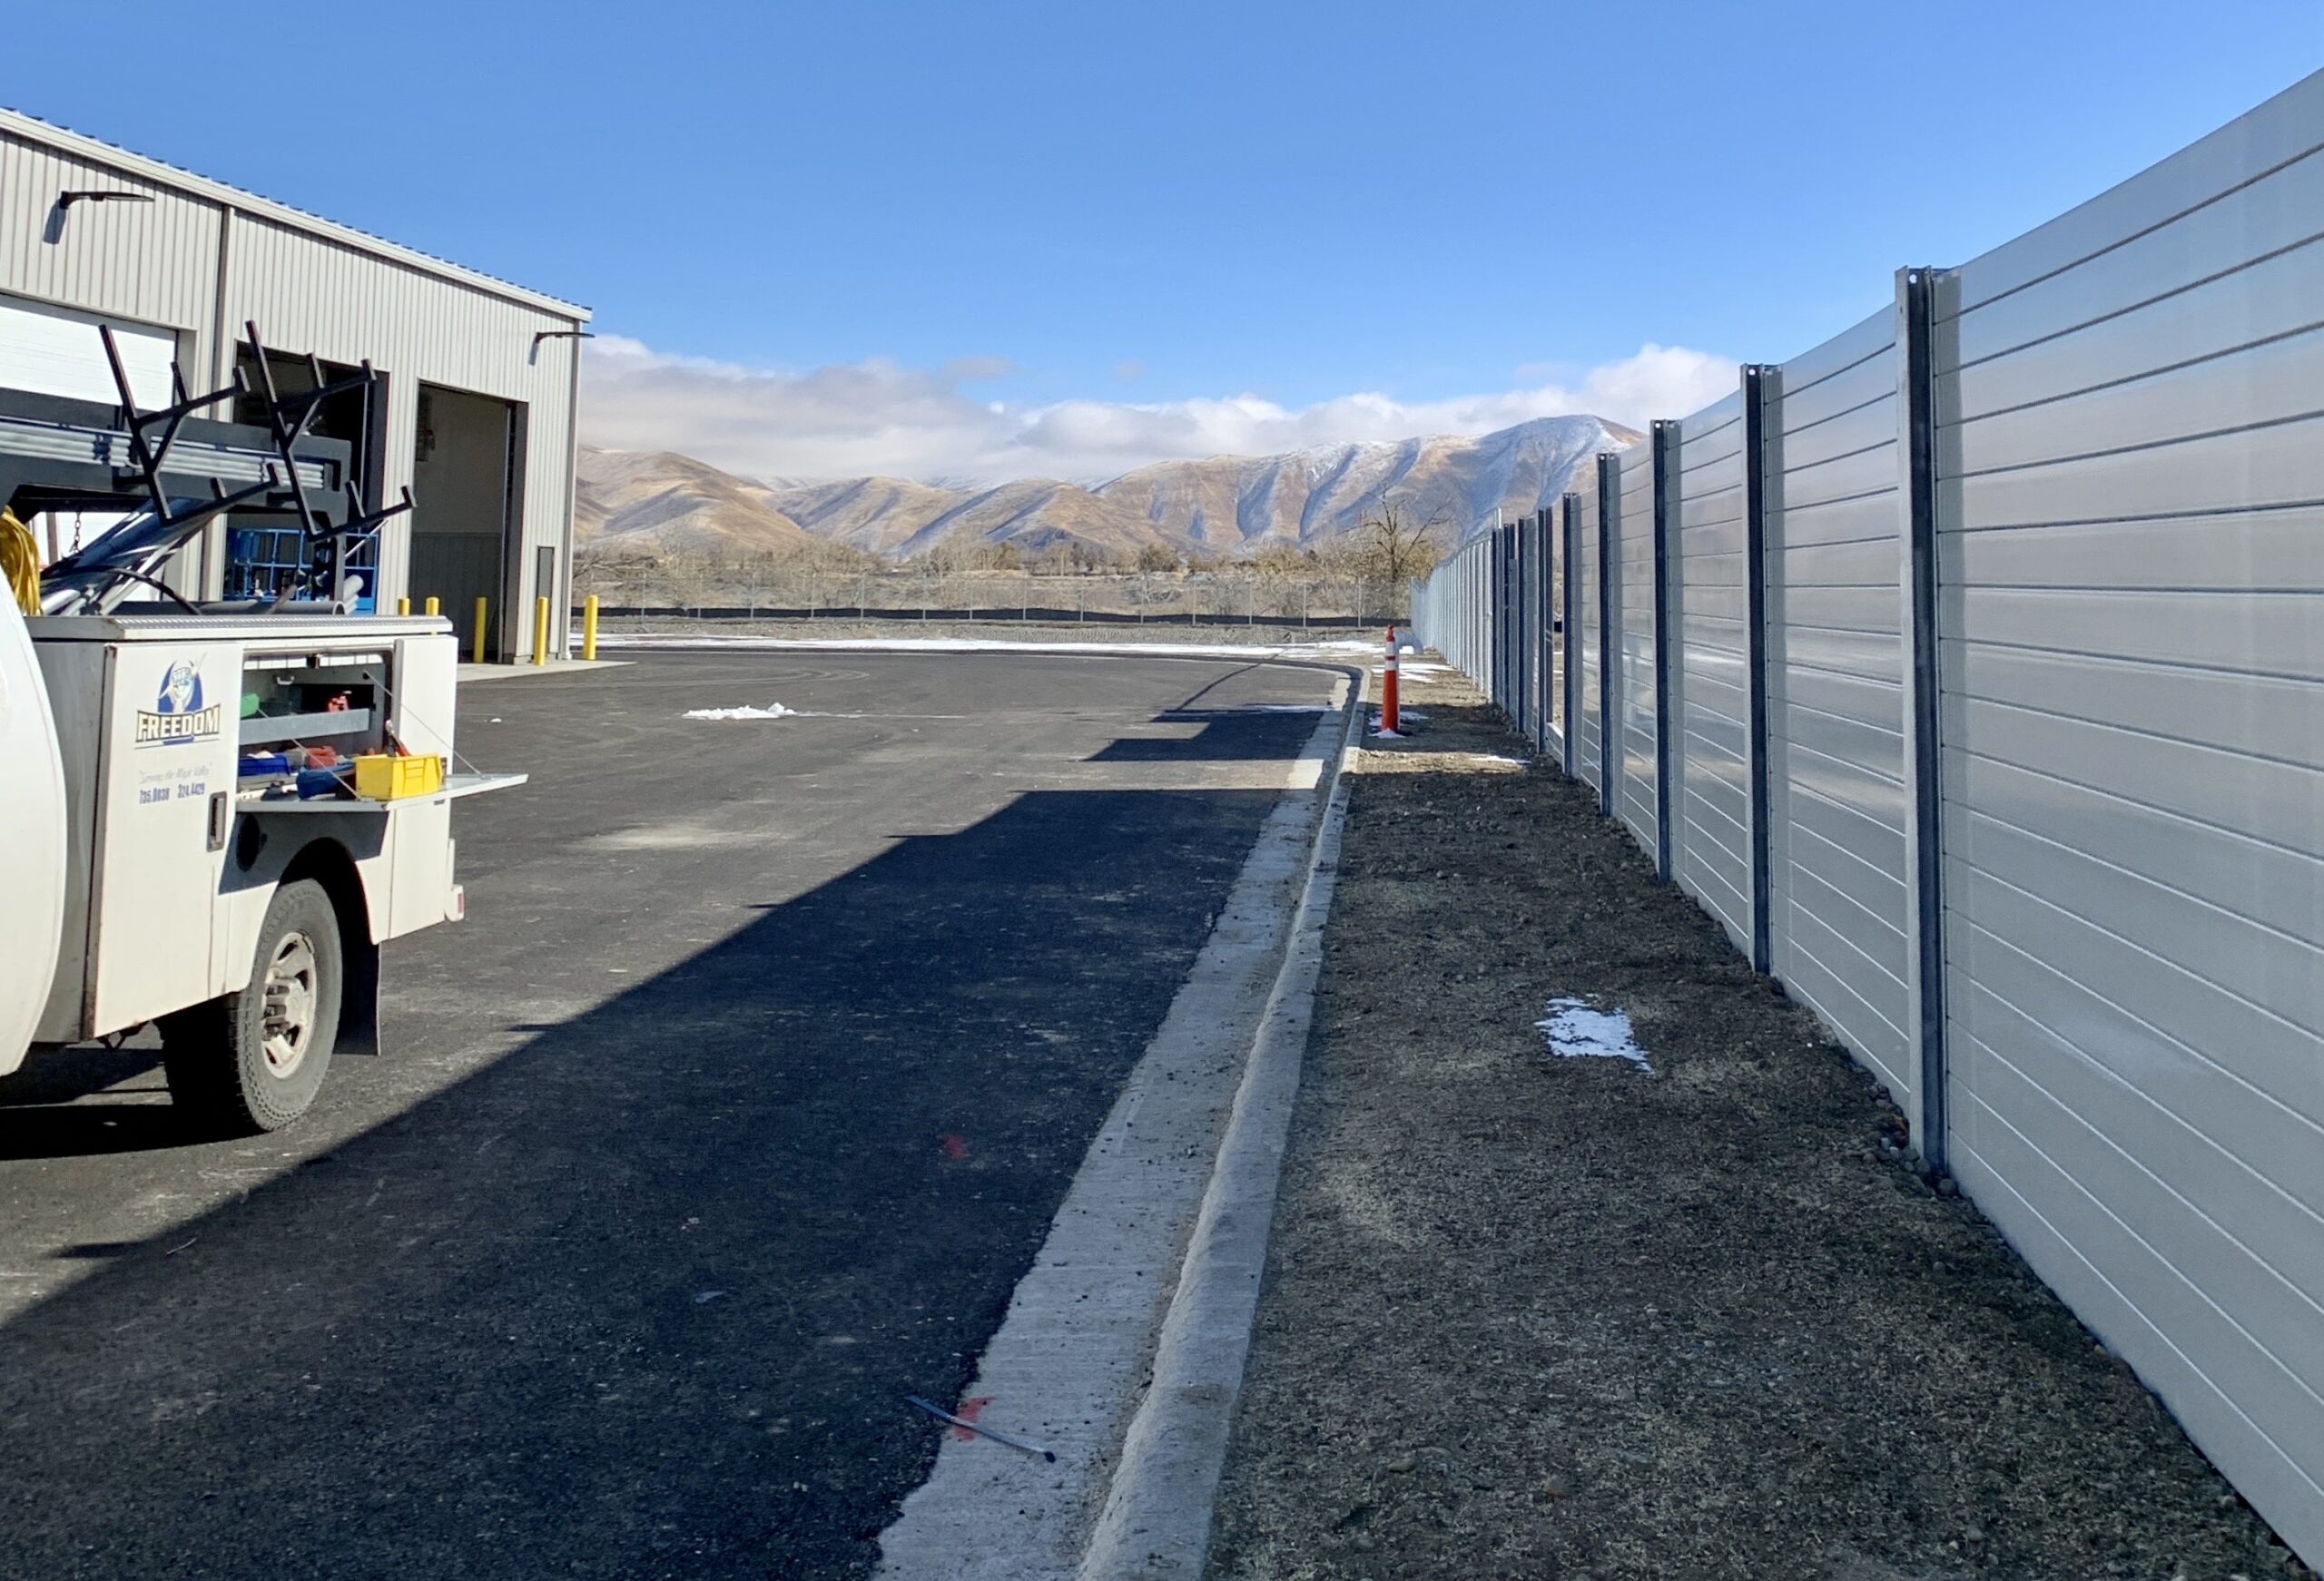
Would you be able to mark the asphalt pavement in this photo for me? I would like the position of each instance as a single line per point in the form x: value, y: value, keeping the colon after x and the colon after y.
x: 730, y: 1118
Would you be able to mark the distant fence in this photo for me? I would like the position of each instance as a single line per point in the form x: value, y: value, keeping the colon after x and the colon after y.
x: 1965, y: 668
x: 1034, y: 614
x: 779, y: 592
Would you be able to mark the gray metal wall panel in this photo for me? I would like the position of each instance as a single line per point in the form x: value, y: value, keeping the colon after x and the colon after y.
x: 2273, y: 383
x: 1589, y: 721
x: 1874, y: 335
x: 1720, y: 415
x: 1709, y: 508
x: 2268, y: 300
x: 2132, y: 490
x: 1865, y: 518
x: 2162, y: 556
x: 1836, y: 799
x: 1711, y: 820
x: 1635, y: 689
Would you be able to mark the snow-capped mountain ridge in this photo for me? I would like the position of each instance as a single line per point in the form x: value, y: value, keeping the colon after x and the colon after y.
x: 1224, y: 505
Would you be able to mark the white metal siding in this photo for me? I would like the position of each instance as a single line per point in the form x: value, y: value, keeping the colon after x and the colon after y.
x: 2131, y: 519
x: 1711, y: 819
x: 1838, y: 804
x: 1634, y: 633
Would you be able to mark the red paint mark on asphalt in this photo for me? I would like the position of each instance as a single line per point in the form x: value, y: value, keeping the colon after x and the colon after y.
x: 954, y: 1147
x: 969, y: 1410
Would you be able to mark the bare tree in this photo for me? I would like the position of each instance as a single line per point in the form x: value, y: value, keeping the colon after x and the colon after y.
x: 1393, y: 546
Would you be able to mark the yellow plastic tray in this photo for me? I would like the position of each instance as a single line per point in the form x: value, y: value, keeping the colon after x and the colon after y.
x: 383, y: 778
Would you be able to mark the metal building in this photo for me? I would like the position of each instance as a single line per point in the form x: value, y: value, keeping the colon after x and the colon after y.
x: 473, y: 411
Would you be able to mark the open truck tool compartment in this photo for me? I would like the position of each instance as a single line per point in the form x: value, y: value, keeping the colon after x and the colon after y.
x: 224, y: 873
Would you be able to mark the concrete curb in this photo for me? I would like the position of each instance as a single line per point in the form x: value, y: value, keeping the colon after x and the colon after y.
x: 1156, y: 1517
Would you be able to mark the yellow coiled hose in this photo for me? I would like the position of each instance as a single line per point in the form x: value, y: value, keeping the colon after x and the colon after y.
x: 20, y: 559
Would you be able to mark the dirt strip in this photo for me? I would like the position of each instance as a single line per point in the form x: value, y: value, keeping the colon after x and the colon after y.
x: 1543, y: 1317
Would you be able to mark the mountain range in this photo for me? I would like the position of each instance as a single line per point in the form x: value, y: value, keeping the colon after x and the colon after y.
x: 1225, y: 506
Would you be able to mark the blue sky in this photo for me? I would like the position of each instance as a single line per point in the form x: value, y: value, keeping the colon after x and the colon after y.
x: 978, y: 239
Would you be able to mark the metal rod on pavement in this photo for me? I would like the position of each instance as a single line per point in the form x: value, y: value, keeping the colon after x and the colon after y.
x: 995, y: 1434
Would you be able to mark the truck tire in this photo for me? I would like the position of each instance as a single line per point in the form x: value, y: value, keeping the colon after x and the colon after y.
x: 254, y: 1060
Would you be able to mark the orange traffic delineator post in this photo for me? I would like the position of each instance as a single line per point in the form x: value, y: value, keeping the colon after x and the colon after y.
x: 1388, y: 689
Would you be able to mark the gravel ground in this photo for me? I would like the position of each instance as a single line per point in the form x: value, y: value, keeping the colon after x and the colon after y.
x: 1562, y: 1318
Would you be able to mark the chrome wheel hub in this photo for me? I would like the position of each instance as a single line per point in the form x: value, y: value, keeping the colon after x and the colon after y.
x: 290, y: 1005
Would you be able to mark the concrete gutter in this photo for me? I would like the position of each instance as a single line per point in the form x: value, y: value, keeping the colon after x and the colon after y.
x: 1157, y: 1514
x: 1126, y: 1375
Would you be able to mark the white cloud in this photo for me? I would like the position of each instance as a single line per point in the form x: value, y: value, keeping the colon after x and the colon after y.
x: 881, y: 416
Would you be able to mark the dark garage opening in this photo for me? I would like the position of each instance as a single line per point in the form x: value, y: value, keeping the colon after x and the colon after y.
x: 265, y: 552
x: 467, y: 455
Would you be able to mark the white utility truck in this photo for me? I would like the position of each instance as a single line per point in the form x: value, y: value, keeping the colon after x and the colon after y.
x: 216, y: 813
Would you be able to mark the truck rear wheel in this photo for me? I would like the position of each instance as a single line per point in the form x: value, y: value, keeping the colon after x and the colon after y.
x: 254, y: 1060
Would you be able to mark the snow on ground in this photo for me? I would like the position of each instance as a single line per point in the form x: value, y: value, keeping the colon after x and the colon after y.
x: 772, y: 710
x: 1576, y: 1029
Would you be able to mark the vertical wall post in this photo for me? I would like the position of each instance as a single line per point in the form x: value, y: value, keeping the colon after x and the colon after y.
x: 1665, y: 439
x: 1544, y: 663
x: 1755, y: 657
x: 1609, y: 486
x: 1924, y: 869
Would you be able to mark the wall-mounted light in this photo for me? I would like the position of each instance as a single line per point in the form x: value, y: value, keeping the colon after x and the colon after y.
x: 541, y: 334
x: 64, y: 202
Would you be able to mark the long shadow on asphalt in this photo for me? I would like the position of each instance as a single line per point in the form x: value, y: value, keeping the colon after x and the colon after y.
x: 1222, y: 735
x: 644, y: 1297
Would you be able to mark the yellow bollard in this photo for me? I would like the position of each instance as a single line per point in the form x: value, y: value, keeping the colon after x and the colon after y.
x: 481, y: 610
x: 403, y: 607
x: 540, y: 631
x: 434, y: 607
x: 589, y: 628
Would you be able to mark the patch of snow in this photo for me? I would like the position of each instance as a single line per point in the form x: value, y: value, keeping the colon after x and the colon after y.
x: 772, y: 710
x: 1576, y: 1029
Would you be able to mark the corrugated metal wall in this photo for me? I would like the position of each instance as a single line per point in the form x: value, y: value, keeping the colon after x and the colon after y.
x: 311, y: 288
x: 2130, y: 469
x: 1711, y: 819
x: 2043, y: 547
x: 1636, y: 700
x: 1836, y: 671
x: 155, y: 263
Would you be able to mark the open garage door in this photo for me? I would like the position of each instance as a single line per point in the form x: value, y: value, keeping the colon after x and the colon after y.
x: 466, y: 458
